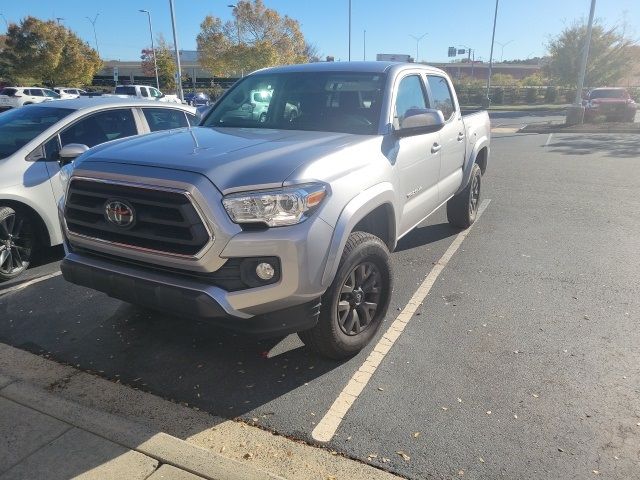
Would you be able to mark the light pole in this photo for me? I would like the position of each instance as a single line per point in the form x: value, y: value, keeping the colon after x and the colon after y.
x: 95, y: 36
x: 364, y: 47
x: 59, y: 20
x: 175, y: 46
x: 502, y: 45
x: 349, y: 30
x: 575, y: 113
x: 417, y: 39
x: 493, y: 39
x: 231, y: 5
x: 153, y: 48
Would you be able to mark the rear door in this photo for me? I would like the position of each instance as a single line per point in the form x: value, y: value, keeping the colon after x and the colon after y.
x: 159, y: 118
x: 452, y: 136
x: 418, y: 157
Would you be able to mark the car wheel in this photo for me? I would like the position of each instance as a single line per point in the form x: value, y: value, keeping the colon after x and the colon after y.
x: 462, y: 209
x: 263, y: 117
x: 17, y: 243
x: 355, y: 304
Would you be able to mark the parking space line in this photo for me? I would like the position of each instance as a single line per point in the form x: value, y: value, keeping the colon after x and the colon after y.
x: 327, y: 427
x: 548, y: 140
x: 20, y: 286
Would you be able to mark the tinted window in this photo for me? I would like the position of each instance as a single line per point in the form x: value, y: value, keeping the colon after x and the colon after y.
x: 164, y: 118
x: 441, y: 96
x: 609, y: 94
x: 410, y: 96
x: 154, y: 92
x: 319, y: 101
x: 144, y: 92
x: 100, y: 127
x: 51, y: 149
x: 125, y: 90
x: 50, y: 93
x: 10, y: 92
x: 21, y: 125
x: 192, y: 119
x: 36, y: 92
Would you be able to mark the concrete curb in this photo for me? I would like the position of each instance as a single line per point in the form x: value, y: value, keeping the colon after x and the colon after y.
x: 160, y: 446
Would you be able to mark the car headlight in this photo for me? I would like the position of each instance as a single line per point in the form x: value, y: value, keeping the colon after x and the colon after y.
x: 65, y: 175
x: 275, y: 208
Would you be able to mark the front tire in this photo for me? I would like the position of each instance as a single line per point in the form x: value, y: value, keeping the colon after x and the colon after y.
x: 17, y: 243
x: 462, y: 209
x: 355, y: 304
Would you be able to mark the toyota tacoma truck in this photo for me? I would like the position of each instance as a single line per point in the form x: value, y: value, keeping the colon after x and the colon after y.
x: 283, y: 224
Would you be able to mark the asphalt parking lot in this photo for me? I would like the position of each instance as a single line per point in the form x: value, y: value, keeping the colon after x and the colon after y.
x: 521, y: 362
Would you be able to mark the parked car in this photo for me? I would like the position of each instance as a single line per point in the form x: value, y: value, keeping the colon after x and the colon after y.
x: 197, y: 99
x: 65, y: 92
x: 35, y: 140
x: 279, y: 225
x: 615, y: 104
x: 143, y: 92
x: 12, y: 97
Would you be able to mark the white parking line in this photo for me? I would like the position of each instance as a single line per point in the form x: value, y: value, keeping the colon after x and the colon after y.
x: 326, y: 429
x: 548, y: 140
x: 20, y: 286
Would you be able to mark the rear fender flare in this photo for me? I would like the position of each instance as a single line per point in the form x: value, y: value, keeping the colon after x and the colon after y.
x: 481, y: 143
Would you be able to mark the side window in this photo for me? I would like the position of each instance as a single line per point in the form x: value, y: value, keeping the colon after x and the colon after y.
x: 100, y: 127
x: 164, y: 118
x: 192, y: 119
x: 51, y: 149
x: 36, y: 92
x: 143, y: 91
x: 441, y: 96
x: 154, y: 93
x: 410, y: 97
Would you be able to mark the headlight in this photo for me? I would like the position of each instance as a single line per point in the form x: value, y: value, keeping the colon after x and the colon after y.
x: 65, y: 175
x: 275, y: 208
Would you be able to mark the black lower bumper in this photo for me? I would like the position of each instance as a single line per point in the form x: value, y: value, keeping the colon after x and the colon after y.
x: 187, y: 301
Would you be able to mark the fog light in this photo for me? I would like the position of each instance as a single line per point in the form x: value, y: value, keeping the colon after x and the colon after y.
x: 265, y: 271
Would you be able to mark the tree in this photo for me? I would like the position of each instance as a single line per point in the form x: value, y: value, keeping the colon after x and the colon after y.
x: 257, y: 37
x: 610, y: 55
x: 166, y: 63
x: 48, y: 53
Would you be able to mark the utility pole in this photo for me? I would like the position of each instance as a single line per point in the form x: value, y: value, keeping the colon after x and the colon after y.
x: 364, y: 48
x: 177, y: 50
x: 493, y: 39
x: 153, y: 48
x: 575, y: 113
x: 417, y: 39
x: 349, y: 30
x: 59, y: 20
x: 95, y: 36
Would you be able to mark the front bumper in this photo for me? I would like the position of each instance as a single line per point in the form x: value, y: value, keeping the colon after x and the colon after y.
x: 187, y: 298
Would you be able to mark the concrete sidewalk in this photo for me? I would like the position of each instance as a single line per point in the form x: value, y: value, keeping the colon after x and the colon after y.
x: 57, y: 422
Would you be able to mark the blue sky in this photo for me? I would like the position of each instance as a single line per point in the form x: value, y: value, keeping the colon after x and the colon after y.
x: 527, y: 25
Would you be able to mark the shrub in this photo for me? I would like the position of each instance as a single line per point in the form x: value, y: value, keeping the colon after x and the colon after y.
x: 531, y: 95
x: 550, y: 95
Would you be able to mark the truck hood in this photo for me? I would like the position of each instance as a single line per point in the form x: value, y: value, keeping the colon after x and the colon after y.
x: 232, y: 158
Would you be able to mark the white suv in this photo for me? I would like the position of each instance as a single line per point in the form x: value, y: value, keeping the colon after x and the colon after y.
x: 65, y: 92
x: 12, y: 97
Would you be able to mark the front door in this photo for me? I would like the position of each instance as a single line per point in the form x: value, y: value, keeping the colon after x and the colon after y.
x: 418, y: 157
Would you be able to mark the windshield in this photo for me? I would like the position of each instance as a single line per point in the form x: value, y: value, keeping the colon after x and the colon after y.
x: 20, y: 126
x: 612, y: 93
x: 319, y: 101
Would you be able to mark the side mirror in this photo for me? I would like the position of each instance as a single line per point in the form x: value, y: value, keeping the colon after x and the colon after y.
x: 418, y: 121
x: 70, y: 152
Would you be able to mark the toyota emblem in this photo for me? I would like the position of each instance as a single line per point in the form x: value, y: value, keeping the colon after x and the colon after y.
x: 119, y: 213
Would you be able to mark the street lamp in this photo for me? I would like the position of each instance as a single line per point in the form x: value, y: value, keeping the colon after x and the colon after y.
x: 175, y: 46
x: 349, y: 30
x: 364, y: 47
x: 95, y: 36
x: 59, y: 20
x: 417, y: 39
x: 502, y: 45
x: 232, y: 5
x: 493, y: 39
x: 153, y: 48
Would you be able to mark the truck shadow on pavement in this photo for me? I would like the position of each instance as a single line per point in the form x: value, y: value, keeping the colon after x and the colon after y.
x: 425, y: 235
x: 624, y: 145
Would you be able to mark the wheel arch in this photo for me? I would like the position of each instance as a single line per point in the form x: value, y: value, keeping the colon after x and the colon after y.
x: 41, y: 228
x: 479, y: 153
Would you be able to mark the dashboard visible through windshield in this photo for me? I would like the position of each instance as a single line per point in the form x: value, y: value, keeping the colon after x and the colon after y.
x: 319, y: 101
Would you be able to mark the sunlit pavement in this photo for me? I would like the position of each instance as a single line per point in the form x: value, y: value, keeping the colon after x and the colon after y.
x: 522, y: 361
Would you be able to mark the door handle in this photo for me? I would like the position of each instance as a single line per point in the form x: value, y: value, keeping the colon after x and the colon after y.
x: 435, y: 148
x: 460, y: 137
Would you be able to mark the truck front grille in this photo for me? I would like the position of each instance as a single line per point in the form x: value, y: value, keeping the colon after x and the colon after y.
x: 163, y: 221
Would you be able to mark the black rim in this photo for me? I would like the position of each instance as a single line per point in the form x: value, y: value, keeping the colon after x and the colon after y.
x: 15, y: 245
x: 474, y: 198
x: 359, y: 299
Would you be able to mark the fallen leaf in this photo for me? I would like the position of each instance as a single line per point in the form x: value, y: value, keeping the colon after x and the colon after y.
x: 248, y: 456
x: 385, y: 460
x: 222, y: 449
x: 460, y: 473
x: 488, y: 412
x: 372, y: 455
x: 560, y: 450
x: 381, y: 389
x: 534, y: 395
x: 596, y: 472
x: 444, y: 408
x: 416, y: 434
x: 481, y: 459
x: 515, y: 416
x: 404, y: 456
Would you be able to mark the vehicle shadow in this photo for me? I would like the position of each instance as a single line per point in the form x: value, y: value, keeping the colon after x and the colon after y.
x: 624, y: 145
x: 427, y: 234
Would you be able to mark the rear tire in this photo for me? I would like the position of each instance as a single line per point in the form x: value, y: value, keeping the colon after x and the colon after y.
x: 355, y: 304
x: 17, y: 242
x: 462, y: 209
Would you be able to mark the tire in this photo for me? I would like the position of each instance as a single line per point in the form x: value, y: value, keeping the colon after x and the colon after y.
x: 462, y: 209
x: 340, y: 333
x: 17, y: 242
x: 263, y: 117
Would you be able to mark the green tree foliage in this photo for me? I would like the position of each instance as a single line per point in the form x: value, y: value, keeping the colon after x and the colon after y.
x: 610, y: 55
x: 45, y: 52
x: 257, y: 37
x: 166, y: 63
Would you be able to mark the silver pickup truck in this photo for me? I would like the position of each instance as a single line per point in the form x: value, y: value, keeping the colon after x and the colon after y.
x: 285, y: 223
